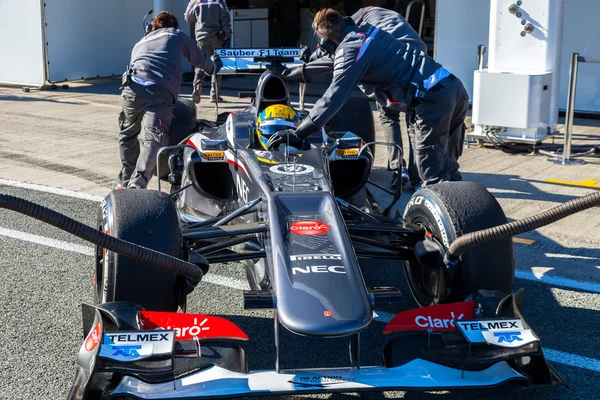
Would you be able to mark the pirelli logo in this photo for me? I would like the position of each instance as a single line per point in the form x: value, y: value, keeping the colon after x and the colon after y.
x: 347, y: 153
x: 213, y: 155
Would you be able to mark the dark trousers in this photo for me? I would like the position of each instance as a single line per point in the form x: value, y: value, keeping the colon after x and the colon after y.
x: 208, y: 45
x: 147, y: 110
x: 437, y: 131
x: 392, y: 132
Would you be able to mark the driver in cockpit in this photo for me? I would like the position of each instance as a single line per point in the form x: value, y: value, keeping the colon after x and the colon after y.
x: 271, y: 120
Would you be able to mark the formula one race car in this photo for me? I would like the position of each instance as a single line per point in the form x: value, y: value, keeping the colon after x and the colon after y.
x: 299, y: 220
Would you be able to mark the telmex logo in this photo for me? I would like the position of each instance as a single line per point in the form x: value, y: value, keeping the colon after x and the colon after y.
x: 213, y: 155
x: 347, y: 153
x: 139, y: 337
x: 491, y: 325
x: 309, y: 228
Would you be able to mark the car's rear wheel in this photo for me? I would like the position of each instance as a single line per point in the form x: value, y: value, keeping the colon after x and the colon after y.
x: 147, y: 218
x: 449, y: 210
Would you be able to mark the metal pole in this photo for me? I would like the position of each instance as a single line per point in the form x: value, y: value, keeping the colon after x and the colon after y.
x: 569, y: 114
x: 481, y: 49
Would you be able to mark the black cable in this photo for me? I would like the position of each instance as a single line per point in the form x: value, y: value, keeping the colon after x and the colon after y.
x: 520, y: 226
x: 87, y: 233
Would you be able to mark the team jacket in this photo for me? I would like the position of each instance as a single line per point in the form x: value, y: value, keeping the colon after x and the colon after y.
x: 386, y: 20
x: 210, y: 17
x: 387, y: 69
x: 157, y: 58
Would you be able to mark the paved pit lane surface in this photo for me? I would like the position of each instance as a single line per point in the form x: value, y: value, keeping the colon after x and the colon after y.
x: 47, y: 274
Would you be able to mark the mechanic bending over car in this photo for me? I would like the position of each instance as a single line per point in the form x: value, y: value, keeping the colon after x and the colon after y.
x: 213, y: 30
x: 321, y: 63
x: 398, y: 76
x: 150, y: 88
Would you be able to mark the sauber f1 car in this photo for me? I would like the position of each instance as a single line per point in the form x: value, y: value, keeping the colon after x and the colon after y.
x: 299, y: 221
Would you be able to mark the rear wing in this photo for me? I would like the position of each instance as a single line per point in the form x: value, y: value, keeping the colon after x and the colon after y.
x: 255, y: 60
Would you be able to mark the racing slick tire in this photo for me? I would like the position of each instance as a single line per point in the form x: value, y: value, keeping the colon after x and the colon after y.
x: 449, y: 210
x: 183, y: 124
x: 356, y: 116
x: 147, y: 218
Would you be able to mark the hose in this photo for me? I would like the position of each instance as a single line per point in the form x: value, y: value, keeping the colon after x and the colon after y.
x: 87, y: 233
x: 520, y: 226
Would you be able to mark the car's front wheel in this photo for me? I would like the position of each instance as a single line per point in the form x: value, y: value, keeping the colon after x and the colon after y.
x: 147, y: 218
x: 451, y: 209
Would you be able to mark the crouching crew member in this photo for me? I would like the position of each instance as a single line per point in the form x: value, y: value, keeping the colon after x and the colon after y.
x: 150, y: 89
x: 398, y: 76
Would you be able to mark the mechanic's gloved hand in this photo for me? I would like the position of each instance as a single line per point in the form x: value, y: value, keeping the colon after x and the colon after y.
x: 217, y: 62
x: 288, y: 136
x: 227, y: 43
x: 305, y: 54
x: 277, y: 69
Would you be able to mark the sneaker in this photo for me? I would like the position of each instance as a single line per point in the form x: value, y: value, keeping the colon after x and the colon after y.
x: 197, y: 93
x: 405, y: 177
x: 133, y: 186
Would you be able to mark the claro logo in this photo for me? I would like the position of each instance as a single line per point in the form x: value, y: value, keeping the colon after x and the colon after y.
x: 309, y: 228
x: 440, y: 318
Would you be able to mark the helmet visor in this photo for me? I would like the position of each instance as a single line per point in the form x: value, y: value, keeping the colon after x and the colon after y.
x: 269, y: 127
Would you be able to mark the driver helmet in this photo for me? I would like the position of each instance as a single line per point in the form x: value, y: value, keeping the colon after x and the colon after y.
x: 273, y: 119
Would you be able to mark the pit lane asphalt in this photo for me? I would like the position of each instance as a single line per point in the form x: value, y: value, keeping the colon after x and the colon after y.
x: 42, y: 288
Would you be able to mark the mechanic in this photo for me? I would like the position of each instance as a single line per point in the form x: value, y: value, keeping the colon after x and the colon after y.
x: 150, y: 88
x: 396, y: 25
x: 398, y: 76
x: 213, y: 30
x: 271, y: 120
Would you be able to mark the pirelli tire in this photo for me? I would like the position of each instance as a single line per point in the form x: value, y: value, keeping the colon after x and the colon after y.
x: 147, y: 218
x: 449, y: 210
x: 356, y: 116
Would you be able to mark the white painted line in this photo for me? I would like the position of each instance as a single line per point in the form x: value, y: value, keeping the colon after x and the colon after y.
x: 57, y: 244
x: 540, y: 277
x: 572, y: 360
x: 48, y: 189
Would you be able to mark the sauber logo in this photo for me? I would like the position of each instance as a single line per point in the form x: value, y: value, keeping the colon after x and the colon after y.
x: 93, y: 338
x: 440, y: 318
x: 309, y: 228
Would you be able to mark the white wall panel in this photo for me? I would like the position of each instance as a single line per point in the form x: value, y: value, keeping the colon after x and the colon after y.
x: 21, y: 42
x: 90, y: 38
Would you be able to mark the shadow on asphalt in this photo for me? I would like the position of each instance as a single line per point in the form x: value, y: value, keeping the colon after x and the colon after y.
x: 24, y: 98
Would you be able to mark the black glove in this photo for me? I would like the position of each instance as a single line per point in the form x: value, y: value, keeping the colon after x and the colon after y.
x: 305, y: 54
x: 217, y: 62
x: 283, y: 137
x: 227, y: 43
x: 277, y: 69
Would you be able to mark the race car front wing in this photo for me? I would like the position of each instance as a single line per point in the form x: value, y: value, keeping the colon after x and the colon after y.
x: 219, y: 382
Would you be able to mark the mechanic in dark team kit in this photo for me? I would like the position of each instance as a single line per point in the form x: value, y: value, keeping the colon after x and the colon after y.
x: 398, y: 76
x: 150, y: 89
x: 213, y: 30
x: 322, y: 63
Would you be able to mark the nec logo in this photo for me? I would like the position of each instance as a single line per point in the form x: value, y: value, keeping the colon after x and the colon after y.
x: 127, y: 351
x: 336, y: 269
x: 508, y: 337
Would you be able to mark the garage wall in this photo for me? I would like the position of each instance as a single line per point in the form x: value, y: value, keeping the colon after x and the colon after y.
x: 21, y: 42
x: 90, y: 39
x: 464, y: 24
